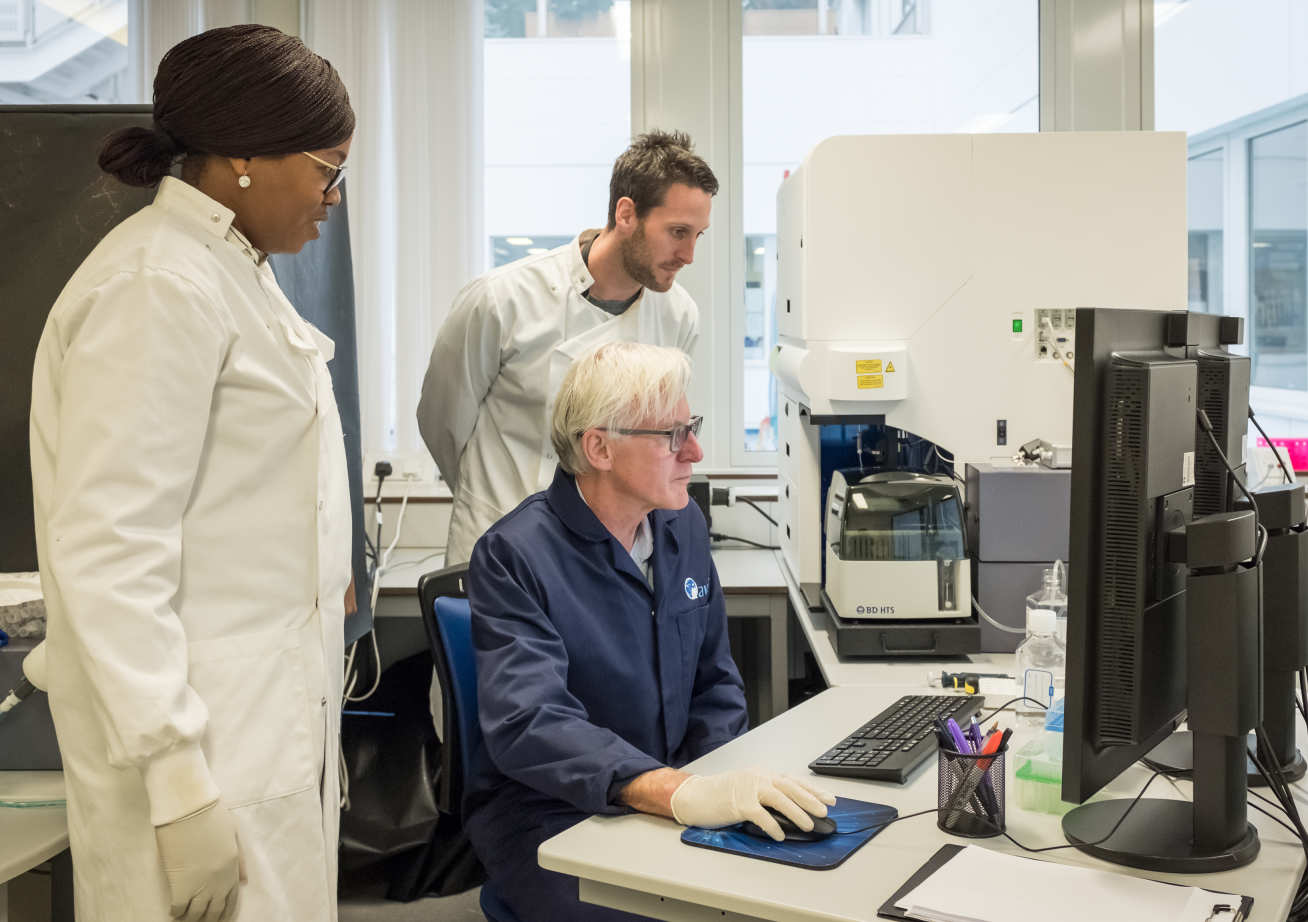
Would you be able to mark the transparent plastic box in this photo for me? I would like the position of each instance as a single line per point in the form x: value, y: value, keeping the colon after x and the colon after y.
x: 1038, y: 780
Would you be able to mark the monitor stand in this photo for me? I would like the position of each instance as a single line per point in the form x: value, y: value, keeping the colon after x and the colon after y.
x: 1176, y: 836
x: 1222, y: 649
x: 1175, y: 756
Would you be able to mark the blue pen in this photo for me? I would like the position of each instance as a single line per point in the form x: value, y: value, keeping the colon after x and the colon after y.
x: 975, y: 730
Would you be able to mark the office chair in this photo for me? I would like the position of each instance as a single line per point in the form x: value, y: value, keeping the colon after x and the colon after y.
x: 447, y: 621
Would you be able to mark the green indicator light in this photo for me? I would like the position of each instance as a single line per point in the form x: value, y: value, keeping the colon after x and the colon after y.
x: 1017, y: 324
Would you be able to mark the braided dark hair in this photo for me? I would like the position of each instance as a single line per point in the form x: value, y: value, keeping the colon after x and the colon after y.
x: 238, y: 91
x: 654, y: 161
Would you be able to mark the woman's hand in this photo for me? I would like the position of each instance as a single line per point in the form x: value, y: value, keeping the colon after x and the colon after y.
x: 351, y: 604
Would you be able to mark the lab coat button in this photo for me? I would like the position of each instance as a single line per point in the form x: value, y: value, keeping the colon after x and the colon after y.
x: 320, y: 505
x: 214, y: 218
x: 323, y: 702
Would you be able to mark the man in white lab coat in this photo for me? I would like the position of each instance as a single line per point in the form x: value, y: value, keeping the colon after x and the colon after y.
x: 512, y: 333
x: 192, y: 508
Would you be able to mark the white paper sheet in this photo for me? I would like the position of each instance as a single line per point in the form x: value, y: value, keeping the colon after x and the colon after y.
x: 980, y: 885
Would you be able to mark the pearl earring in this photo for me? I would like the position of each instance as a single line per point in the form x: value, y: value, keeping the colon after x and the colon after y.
x: 243, y: 182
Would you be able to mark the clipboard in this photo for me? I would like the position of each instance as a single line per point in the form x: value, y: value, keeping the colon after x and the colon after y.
x: 890, y: 909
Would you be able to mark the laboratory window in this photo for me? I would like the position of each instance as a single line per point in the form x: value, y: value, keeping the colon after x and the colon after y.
x: 65, y: 53
x: 816, y: 68
x: 546, y: 169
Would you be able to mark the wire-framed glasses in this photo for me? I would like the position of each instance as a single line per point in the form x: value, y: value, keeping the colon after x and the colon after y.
x: 338, y: 172
x: 676, y: 435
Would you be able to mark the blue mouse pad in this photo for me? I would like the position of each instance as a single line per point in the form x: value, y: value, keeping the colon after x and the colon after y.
x: 863, y: 820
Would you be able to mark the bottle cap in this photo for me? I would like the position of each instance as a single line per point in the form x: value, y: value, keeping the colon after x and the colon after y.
x: 1041, y: 621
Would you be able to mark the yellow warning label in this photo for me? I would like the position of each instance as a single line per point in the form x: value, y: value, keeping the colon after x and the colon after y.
x: 866, y: 381
x: 890, y: 368
x: 867, y: 367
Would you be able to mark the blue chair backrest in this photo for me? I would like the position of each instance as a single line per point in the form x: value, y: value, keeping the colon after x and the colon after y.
x: 454, y: 624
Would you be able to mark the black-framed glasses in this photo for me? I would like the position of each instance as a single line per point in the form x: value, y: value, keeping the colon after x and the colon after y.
x: 676, y: 435
x: 338, y: 172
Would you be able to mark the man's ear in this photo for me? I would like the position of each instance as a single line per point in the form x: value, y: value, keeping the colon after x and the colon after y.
x: 624, y: 215
x: 597, y: 448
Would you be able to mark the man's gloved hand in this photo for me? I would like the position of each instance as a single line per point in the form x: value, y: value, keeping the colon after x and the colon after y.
x: 202, y: 861
x: 733, y: 797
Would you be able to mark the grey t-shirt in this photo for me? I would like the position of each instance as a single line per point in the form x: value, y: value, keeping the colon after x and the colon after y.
x: 613, y: 307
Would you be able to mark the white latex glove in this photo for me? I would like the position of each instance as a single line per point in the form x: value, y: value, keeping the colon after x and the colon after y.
x: 202, y: 861
x: 734, y: 797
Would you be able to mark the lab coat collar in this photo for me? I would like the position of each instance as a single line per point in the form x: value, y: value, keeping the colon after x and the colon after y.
x: 186, y: 201
x: 578, y: 275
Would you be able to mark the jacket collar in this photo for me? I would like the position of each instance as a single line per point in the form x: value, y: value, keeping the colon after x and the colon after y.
x: 565, y: 500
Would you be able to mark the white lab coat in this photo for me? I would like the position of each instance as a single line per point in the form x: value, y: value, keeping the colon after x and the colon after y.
x: 495, y: 370
x: 193, y: 531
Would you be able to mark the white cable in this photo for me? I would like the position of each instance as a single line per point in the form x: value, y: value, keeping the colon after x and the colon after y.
x: 383, y: 564
x: 1053, y: 346
x: 1003, y: 627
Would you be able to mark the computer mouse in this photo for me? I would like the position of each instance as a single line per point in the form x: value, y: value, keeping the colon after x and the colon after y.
x: 822, y: 827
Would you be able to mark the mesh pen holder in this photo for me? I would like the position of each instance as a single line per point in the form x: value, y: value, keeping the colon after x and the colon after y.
x: 970, y: 793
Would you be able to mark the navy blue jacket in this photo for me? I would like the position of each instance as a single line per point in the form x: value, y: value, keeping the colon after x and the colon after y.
x: 586, y: 677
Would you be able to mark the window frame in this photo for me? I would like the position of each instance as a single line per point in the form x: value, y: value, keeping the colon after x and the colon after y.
x: 1235, y: 140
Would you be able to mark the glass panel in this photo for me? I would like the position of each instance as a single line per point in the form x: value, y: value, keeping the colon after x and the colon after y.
x: 64, y: 52
x: 816, y: 68
x: 507, y: 249
x: 835, y: 17
x: 1278, y: 224
x: 1216, y: 61
x: 547, y: 167
x: 1205, y: 215
x: 557, y: 18
x: 901, y: 521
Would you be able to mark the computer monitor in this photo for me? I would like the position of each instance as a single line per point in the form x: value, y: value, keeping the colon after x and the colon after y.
x: 1224, y: 396
x: 1130, y: 631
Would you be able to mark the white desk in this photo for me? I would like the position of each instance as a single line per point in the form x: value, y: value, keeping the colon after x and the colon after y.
x: 753, y: 585
x: 637, y: 863
x: 29, y: 836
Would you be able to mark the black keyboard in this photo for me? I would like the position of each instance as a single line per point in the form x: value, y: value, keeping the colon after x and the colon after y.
x: 899, y: 739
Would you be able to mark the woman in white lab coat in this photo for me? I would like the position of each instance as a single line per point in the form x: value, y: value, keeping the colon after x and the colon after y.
x: 192, y: 510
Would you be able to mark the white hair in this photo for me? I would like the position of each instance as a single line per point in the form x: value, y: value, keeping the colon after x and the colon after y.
x: 615, y: 386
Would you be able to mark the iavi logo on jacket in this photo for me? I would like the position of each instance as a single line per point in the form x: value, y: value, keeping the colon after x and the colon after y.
x: 694, y: 590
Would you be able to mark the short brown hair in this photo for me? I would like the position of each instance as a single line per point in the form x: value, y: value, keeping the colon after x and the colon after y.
x: 654, y: 161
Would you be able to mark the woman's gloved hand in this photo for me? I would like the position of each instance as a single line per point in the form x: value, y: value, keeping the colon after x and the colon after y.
x: 734, y: 797
x: 202, y: 861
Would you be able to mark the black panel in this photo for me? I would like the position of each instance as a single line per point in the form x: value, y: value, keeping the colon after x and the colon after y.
x: 57, y: 205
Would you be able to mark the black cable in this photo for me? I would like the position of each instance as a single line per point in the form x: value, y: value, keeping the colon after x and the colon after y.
x: 1266, y: 800
x: 718, y: 536
x: 1274, y: 818
x: 377, y: 511
x: 1120, y: 820
x: 1302, y: 699
x: 1277, y: 784
x: 1049, y: 848
x: 1207, y: 426
x: 761, y: 512
x: 1289, y: 478
x: 994, y: 711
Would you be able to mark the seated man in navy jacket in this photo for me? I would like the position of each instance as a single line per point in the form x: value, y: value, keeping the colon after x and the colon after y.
x: 601, y: 640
